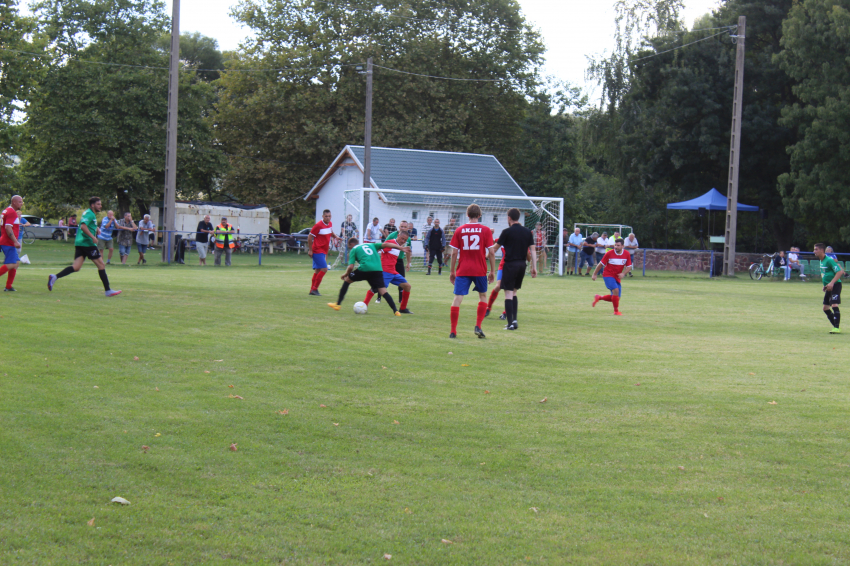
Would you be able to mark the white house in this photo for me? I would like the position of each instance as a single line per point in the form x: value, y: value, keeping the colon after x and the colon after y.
x: 416, y: 170
x: 249, y: 219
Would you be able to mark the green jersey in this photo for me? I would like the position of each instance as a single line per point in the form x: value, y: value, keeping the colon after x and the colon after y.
x: 89, y: 219
x: 393, y: 236
x: 367, y: 255
x: 828, y: 269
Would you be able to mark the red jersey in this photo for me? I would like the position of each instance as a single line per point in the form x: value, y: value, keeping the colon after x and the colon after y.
x: 615, y: 263
x: 322, y: 236
x: 389, y: 257
x: 10, y: 218
x: 540, y: 239
x: 502, y: 263
x: 472, y: 241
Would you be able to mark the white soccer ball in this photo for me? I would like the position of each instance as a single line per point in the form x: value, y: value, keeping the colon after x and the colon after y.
x: 360, y: 308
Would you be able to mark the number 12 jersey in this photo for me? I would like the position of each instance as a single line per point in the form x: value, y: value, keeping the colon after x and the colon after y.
x: 472, y: 242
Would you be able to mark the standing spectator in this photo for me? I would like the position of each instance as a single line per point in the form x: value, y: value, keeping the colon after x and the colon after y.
x: 346, y: 232
x: 425, y: 229
x: 126, y: 228
x: 104, y: 237
x: 202, y: 239
x: 373, y: 232
x: 539, y: 245
x: 794, y: 263
x: 573, y: 251
x: 631, y: 245
x: 436, y: 244
x: 588, y: 253
x: 146, y: 228
x: 224, y: 242
x: 610, y: 245
x: 411, y: 231
x: 72, y: 226
x: 389, y: 228
x: 601, y: 246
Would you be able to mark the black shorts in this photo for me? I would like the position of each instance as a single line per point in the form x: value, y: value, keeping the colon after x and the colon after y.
x: 374, y: 278
x: 399, y: 266
x: 513, y: 273
x: 89, y: 252
x: 833, y: 297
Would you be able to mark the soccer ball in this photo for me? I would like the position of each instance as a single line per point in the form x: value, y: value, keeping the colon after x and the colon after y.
x: 360, y: 308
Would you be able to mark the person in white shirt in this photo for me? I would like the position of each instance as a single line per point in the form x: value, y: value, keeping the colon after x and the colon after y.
x: 601, y: 246
x: 373, y: 232
x: 794, y: 263
x: 631, y: 245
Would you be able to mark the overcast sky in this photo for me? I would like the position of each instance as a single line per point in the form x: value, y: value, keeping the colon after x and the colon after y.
x: 572, y: 29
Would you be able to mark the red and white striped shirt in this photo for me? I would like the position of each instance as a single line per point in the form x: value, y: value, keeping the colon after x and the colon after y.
x: 322, y: 236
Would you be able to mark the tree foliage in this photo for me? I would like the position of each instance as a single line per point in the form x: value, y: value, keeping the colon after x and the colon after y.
x: 816, y: 41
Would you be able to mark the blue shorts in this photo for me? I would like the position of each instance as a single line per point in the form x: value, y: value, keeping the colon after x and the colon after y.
x: 11, y: 253
x: 462, y: 283
x: 142, y: 248
x: 320, y: 261
x: 499, y: 275
x: 611, y: 284
x: 393, y: 279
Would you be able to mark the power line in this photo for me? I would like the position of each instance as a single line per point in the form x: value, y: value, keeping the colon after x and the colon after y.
x: 443, y: 78
x: 676, y: 48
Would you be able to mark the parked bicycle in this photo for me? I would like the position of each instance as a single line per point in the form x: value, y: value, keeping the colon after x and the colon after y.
x: 758, y: 270
x: 27, y: 237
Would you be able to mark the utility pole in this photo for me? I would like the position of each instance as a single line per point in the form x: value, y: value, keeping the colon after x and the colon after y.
x: 734, y: 154
x: 168, y: 212
x: 367, y: 148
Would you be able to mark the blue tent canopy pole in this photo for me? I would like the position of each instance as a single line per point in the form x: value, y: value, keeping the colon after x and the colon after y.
x: 712, y: 200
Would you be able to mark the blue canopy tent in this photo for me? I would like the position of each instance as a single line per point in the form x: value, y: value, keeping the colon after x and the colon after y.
x: 712, y: 200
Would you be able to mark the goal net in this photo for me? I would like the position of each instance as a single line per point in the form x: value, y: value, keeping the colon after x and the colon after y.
x: 543, y: 216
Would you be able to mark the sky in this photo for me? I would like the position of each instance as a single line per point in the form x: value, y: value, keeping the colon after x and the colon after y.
x: 572, y: 29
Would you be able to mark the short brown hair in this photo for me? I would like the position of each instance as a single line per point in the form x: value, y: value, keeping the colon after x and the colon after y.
x: 473, y: 211
x: 352, y: 240
x: 513, y: 214
x: 619, y: 241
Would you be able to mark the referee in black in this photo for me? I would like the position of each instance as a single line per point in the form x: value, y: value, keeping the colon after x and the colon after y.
x: 518, y: 242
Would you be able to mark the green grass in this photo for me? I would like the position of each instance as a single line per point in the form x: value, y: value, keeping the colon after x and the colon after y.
x: 693, y: 465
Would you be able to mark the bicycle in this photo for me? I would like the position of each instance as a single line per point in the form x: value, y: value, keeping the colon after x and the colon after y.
x: 27, y: 237
x: 758, y: 270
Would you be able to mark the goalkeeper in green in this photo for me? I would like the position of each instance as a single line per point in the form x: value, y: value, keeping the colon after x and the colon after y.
x: 368, y: 257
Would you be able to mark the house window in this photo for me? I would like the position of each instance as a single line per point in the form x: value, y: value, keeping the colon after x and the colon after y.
x: 433, y: 214
x: 414, y: 215
x: 495, y: 219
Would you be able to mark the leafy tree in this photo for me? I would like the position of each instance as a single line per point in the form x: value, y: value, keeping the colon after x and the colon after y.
x: 197, y: 52
x: 816, y: 42
x: 98, y: 123
x: 284, y: 127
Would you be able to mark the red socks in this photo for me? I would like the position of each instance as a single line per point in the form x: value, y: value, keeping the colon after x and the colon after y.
x: 319, y: 276
x: 369, y: 295
x: 616, y: 300
x: 313, y: 283
x: 405, y: 295
x: 482, y: 310
x: 11, y: 278
x: 607, y: 298
x: 493, y: 296
x: 455, y: 316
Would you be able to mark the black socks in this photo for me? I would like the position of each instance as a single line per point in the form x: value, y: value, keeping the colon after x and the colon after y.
x: 509, y: 308
x: 104, y: 278
x: 830, y: 316
x: 342, y: 291
x: 390, y: 301
x: 516, y: 308
x: 67, y: 271
x: 837, y: 316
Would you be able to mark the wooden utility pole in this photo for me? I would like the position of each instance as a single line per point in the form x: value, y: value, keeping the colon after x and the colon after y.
x: 734, y: 154
x: 367, y: 149
x: 168, y: 212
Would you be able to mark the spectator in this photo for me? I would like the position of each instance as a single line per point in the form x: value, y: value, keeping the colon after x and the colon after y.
x: 540, y: 242
x: 126, y: 228
x: 146, y: 227
x: 202, y: 239
x: 436, y: 245
x: 373, y: 232
x: 425, y: 229
x: 412, y: 233
x: 631, y: 245
x: 72, y: 226
x: 573, y: 251
x: 61, y: 222
x: 224, y: 241
x: 830, y: 253
x: 104, y: 235
x: 601, y: 246
x: 389, y: 228
x: 794, y: 263
x: 346, y: 232
x: 611, y: 241
x: 781, y: 262
x: 588, y: 253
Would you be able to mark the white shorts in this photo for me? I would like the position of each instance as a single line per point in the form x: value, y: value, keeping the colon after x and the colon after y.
x: 202, y: 248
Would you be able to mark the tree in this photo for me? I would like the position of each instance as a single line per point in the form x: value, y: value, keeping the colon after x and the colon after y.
x: 283, y: 127
x: 197, y: 52
x: 816, y: 48
x: 98, y: 123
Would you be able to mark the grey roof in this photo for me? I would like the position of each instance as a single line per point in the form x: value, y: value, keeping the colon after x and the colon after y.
x: 440, y: 171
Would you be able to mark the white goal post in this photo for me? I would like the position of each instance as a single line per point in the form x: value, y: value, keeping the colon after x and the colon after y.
x: 416, y: 207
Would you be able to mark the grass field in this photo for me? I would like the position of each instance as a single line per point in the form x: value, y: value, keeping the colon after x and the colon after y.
x: 706, y: 426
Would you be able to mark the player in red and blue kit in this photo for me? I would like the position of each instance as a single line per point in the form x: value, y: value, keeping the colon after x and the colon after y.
x: 318, y: 243
x: 389, y: 263
x: 471, y: 251
x: 10, y: 243
x: 617, y: 263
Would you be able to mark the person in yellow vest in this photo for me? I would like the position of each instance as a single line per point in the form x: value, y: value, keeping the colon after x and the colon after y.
x: 224, y: 243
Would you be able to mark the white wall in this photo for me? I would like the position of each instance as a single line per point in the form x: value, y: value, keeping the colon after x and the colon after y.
x: 187, y: 216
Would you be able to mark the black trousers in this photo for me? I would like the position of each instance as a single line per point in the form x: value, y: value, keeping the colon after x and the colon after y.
x: 435, y: 253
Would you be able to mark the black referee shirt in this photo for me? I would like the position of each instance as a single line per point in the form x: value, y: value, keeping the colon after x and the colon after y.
x: 516, y: 240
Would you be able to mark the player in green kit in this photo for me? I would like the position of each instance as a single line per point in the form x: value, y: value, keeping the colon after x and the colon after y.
x: 831, y: 274
x: 86, y: 247
x: 368, y: 257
